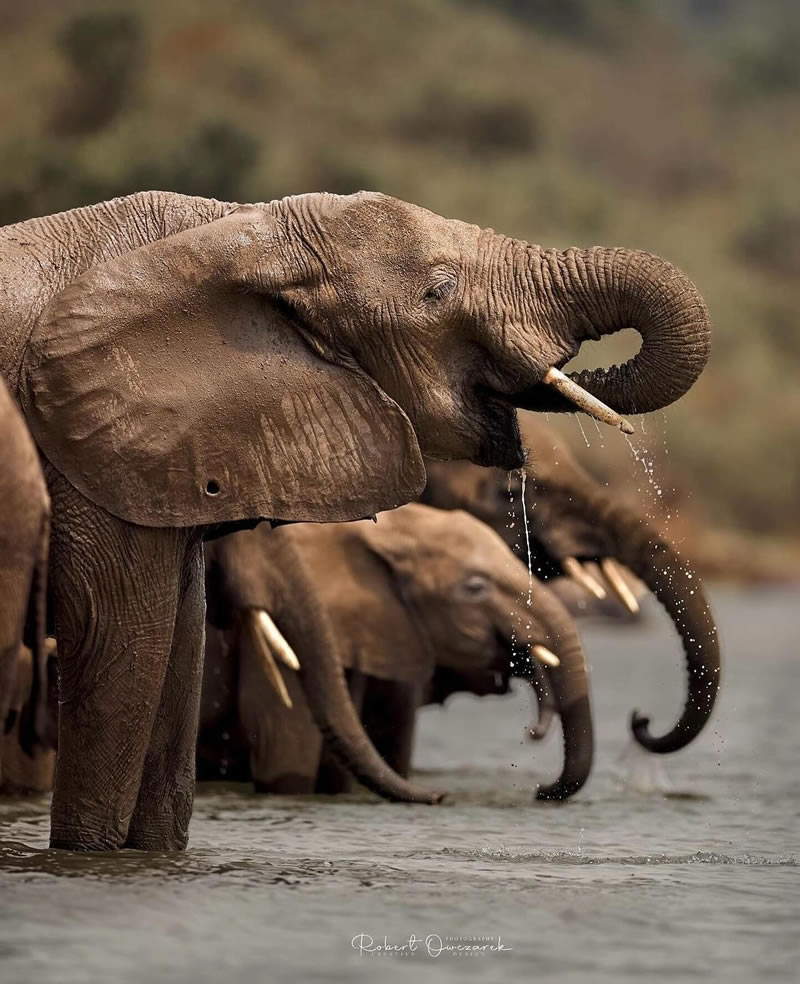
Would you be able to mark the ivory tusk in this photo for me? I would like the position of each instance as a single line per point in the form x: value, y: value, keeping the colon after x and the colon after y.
x: 270, y: 667
x: 583, y: 577
x: 616, y: 579
x: 585, y: 401
x: 276, y: 641
x: 543, y: 654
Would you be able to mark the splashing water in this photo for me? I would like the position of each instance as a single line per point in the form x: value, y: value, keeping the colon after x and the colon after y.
x: 641, y: 772
x: 648, y: 466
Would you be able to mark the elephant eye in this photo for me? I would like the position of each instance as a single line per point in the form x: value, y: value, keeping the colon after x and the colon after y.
x: 475, y: 587
x: 439, y: 290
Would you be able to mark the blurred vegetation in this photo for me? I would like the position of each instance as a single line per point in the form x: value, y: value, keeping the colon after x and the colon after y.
x: 669, y: 127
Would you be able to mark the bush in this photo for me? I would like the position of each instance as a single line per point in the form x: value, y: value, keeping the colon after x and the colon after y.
x: 104, y: 52
x: 771, y: 241
x: 479, y: 127
x: 214, y: 163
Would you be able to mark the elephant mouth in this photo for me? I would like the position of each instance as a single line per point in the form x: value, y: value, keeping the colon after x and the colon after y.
x: 500, y: 444
x: 557, y: 393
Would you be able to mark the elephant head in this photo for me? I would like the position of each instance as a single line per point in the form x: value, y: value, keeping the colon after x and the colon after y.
x: 217, y: 363
x: 423, y: 595
x: 574, y: 521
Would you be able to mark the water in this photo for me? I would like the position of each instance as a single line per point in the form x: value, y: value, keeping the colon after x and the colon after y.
x: 679, y: 869
x: 526, y: 527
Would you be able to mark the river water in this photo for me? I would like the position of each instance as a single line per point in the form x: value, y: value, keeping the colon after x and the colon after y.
x: 668, y: 870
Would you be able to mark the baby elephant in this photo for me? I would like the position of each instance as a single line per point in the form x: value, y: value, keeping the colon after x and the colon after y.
x: 419, y: 592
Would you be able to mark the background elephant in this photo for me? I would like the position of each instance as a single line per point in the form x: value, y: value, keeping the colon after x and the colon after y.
x: 248, y: 574
x: 185, y: 363
x: 417, y: 590
x: 26, y: 768
x: 575, y: 521
x: 24, y: 534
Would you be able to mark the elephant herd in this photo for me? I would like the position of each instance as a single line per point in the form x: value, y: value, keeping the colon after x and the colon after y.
x: 255, y: 480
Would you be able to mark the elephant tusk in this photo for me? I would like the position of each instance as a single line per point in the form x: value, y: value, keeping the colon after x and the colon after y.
x: 544, y: 655
x: 585, y: 401
x: 276, y: 641
x: 573, y: 568
x: 616, y: 579
x: 270, y: 667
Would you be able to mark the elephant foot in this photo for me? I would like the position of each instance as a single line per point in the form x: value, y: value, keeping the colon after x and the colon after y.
x: 167, y: 839
x: 85, y: 839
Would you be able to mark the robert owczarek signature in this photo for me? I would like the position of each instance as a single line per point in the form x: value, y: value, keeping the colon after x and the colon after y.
x: 431, y: 945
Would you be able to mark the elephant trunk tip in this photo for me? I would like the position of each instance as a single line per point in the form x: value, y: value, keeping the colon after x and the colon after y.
x: 578, y: 734
x: 680, y: 736
x: 557, y: 792
x: 640, y: 729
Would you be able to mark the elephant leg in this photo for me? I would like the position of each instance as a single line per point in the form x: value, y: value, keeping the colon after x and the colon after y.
x: 389, y: 717
x: 115, y: 588
x: 160, y: 821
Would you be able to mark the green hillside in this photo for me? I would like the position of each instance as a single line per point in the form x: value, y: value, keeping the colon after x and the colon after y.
x: 579, y: 122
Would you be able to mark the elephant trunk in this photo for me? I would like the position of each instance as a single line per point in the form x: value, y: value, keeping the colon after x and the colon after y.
x: 569, y: 683
x: 679, y: 590
x: 545, y: 703
x: 587, y: 293
x: 577, y: 730
x: 307, y: 629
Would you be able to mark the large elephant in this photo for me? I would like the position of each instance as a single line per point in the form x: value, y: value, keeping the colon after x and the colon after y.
x: 574, y: 521
x: 24, y: 535
x: 421, y: 590
x: 185, y: 363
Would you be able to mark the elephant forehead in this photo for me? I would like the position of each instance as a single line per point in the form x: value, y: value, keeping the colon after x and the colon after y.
x: 394, y: 231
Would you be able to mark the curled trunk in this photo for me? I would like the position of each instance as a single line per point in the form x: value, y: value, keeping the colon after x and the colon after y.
x: 680, y: 592
x: 682, y: 595
x: 588, y: 293
x: 306, y: 627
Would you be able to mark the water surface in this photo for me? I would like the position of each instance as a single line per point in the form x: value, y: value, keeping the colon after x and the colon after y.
x: 664, y: 869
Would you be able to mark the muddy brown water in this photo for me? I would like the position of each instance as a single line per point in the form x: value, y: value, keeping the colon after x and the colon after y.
x: 669, y: 870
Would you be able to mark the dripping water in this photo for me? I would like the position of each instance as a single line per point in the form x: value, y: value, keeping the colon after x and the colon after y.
x: 583, y: 432
x: 527, y: 541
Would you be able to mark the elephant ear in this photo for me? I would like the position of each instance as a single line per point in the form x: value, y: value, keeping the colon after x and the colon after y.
x: 171, y: 395
x: 362, y: 599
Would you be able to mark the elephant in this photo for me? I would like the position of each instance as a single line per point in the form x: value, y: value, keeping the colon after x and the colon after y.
x: 24, y: 538
x: 419, y: 590
x: 188, y: 367
x: 255, y: 578
x: 27, y: 767
x: 579, y: 528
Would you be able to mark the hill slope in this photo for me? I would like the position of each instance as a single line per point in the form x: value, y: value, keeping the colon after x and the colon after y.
x: 605, y: 124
